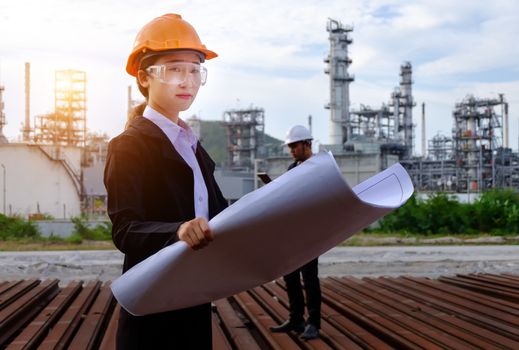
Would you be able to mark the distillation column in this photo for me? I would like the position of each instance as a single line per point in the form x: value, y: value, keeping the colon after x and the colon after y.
x: 338, y: 63
x: 407, y: 104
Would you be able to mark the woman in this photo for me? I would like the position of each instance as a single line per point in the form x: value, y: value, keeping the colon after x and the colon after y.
x: 159, y: 179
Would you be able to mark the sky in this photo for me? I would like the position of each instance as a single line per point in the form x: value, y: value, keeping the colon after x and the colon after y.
x: 270, y: 56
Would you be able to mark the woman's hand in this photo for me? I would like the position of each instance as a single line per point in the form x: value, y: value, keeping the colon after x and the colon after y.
x: 196, y: 233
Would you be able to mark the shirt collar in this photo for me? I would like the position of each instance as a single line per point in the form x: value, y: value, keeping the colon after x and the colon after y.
x: 169, y: 127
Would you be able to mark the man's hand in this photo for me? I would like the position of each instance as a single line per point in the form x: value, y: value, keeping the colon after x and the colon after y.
x: 196, y: 233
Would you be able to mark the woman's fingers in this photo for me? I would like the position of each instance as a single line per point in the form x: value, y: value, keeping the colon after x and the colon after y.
x: 196, y: 233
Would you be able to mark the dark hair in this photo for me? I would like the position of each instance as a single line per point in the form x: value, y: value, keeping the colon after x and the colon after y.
x: 138, y: 110
x: 135, y: 112
x: 145, y: 63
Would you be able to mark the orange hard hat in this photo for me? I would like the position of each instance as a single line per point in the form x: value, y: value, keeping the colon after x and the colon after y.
x: 164, y: 33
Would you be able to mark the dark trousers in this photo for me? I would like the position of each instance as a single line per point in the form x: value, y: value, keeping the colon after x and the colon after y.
x: 312, y: 291
x: 188, y: 328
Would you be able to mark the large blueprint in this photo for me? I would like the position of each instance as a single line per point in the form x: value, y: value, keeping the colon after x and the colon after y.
x: 266, y: 234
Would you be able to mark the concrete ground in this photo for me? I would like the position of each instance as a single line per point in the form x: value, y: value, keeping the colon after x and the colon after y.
x: 430, y: 261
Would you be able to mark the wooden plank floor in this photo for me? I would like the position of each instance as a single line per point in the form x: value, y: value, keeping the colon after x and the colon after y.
x: 478, y: 311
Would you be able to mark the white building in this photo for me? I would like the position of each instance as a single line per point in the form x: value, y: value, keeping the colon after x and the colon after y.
x: 40, y: 180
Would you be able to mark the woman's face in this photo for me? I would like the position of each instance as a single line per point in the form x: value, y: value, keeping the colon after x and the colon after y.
x: 174, y: 95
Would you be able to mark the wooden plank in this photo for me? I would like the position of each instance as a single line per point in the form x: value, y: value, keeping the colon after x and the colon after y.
x: 328, y: 332
x: 6, y: 285
x: 15, y: 316
x: 109, y: 338
x: 372, y: 313
x: 413, y: 329
x: 500, y: 292
x: 350, y: 329
x: 455, y: 337
x: 88, y: 335
x: 509, y: 322
x: 14, y: 292
x: 279, y: 312
x: 238, y: 331
x: 33, y: 334
x: 510, y: 276
x: 262, y: 321
x: 391, y: 333
x: 493, y: 279
x: 489, y: 339
x: 61, y: 335
x: 504, y: 306
x: 442, y: 303
x: 220, y: 342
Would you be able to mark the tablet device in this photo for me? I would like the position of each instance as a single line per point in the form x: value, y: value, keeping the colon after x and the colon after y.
x: 264, y: 177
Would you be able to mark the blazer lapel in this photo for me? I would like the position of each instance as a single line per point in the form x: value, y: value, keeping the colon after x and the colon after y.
x: 167, y: 149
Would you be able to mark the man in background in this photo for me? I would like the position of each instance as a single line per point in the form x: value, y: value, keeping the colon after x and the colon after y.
x: 299, y: 141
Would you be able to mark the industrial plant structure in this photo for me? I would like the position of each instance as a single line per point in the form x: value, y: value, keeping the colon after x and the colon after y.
x: 476, y: 157
x: 44, y: 175
x: 57, y: 169
x: 364, y: 141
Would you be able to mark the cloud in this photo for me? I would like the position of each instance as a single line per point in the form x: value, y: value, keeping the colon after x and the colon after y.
x: 481, y: 51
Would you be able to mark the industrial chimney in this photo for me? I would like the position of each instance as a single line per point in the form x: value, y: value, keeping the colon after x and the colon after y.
x: 424, y: 149
x: 27, y: 126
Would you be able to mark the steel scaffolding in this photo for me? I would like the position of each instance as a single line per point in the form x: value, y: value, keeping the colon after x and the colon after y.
x: 440, y: 148
x: 245, y: 136
x: 3, y: 139
x: 430, y: 175
x: 67, y: 124
x: 477, y: 136
x: 390, y: 126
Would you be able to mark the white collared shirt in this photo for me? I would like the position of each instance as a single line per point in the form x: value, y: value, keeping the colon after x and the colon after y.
x: 184, y: 141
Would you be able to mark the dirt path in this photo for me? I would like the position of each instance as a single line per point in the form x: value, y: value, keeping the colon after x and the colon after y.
x: 430, y: 261
x: 357, y: 261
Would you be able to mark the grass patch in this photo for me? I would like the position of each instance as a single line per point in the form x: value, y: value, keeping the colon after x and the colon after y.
x: 17, y: 234
x: 47, y: 245
x: 363, y: 239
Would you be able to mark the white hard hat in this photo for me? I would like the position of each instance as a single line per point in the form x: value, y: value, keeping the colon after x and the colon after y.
x: 298, y: 133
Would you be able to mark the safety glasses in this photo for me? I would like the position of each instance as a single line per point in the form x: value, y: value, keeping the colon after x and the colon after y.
x: 175, y: 73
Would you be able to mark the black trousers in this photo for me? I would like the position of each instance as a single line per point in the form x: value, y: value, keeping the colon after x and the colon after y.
x: 188, y: 328
x: 312, y: 291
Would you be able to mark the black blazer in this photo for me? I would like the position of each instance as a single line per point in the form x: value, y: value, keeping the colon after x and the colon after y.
x: 150, y: 194
x: 150, y: 190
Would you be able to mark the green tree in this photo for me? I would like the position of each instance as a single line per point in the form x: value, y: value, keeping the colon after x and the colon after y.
x: 13, y: 228
x: 496, y: 211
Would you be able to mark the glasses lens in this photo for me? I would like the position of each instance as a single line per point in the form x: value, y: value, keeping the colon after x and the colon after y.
x: 179, y: 72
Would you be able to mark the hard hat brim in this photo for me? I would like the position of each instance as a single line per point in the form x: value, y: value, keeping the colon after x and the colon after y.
x: 132, y: 66
x: 288, y: 142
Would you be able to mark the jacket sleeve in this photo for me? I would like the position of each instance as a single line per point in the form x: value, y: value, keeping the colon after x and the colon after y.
x: 125, y: 180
